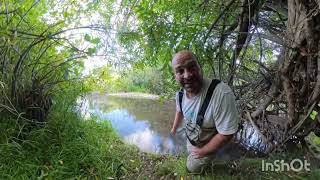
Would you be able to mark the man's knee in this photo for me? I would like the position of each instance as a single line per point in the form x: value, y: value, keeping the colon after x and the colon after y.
x: 194, y: 168
x: 195, y: 165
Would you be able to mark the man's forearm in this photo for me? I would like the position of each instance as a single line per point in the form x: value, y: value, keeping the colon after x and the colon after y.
x: 177, y: 121
x: 176, y: 124
x: 216, y: 143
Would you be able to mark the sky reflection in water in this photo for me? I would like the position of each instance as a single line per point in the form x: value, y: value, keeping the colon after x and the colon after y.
x: 144, y: 132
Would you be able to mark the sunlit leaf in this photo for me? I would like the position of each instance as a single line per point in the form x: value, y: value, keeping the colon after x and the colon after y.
x: 313, y: 115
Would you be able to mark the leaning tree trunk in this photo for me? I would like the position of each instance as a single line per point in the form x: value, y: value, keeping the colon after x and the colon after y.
x: 300, y: 71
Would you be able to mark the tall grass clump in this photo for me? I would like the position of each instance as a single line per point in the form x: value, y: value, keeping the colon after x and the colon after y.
x: 65, y: 147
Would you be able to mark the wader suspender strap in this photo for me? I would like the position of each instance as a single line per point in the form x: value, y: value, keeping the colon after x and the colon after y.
x: 206, y: 101
x: 180, y: 99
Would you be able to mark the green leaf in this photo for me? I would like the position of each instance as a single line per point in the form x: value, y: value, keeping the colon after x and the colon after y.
x: 87, y: 37
x: 91, y: 51
x: 95, y: 41
x: 316, y: 140
x: 65, y: 14
x: 313, y: 115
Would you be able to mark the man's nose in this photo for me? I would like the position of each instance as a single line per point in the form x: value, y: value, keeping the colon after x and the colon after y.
x: 187, y: 74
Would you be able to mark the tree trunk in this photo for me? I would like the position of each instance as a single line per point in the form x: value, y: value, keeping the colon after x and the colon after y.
x: 300, y: 69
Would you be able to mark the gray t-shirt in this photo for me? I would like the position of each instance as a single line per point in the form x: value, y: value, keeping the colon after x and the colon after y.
x: 221, y: 112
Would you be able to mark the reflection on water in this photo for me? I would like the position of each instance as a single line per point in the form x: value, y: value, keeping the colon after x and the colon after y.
x: 145, y: 123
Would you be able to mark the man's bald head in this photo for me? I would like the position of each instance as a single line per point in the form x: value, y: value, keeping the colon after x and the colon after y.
x: 183, y: 55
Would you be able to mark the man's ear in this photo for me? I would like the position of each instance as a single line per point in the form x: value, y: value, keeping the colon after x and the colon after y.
x: 175, y: 77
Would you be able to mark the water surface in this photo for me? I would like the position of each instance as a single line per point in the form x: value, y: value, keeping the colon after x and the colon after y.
x: 143, y: 122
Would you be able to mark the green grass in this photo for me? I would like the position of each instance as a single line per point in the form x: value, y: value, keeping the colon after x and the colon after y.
x: 239, y: 169
x: 67, y: 147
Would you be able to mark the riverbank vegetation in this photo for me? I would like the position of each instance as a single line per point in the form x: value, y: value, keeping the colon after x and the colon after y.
x: 267, y: 51
x: 144, y: 80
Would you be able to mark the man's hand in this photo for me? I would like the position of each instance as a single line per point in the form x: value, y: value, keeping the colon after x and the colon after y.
x: 217, y: 142
x: 173, y: 131
x: 198, y: 152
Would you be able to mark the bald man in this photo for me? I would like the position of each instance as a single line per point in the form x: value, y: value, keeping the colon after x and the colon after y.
x: 221, y: 114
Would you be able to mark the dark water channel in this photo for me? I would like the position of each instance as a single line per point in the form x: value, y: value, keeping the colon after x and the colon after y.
x: 146, y: 123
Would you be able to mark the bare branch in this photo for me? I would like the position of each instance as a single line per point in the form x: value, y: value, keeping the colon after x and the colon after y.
x: 272, y: 94
x: 218, y: 18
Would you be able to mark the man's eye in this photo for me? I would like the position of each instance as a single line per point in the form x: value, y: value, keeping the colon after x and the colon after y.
x: 179, y: 71
x: 192, y: 68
